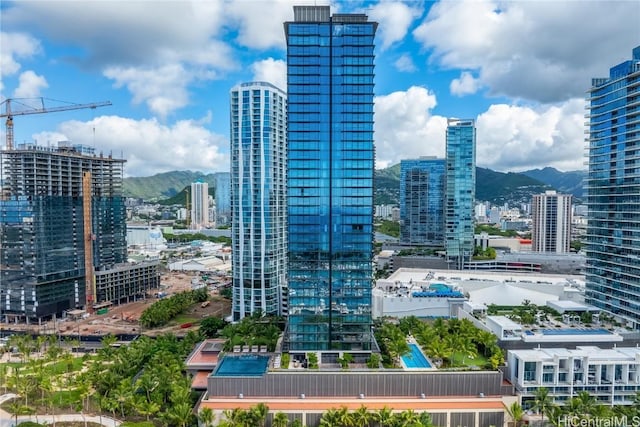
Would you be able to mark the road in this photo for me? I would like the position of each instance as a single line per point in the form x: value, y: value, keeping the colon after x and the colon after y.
x: 7, y: 420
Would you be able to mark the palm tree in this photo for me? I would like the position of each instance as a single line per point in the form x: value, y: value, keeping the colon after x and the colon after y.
x: 346, y: 420
x: 206, y: 417
x: 516, y: 413
x: 180, y: 414
x: 384, y: 417
x: 259, y: 414
x: 361, y: 417
x: 330, y: 418
x: 280, y: 419
x: 408, y: 418
x: 542, y: 401
x: 555, y: 414
x: 147, y: 408
x: 122, y: 395
x: 586, y: 402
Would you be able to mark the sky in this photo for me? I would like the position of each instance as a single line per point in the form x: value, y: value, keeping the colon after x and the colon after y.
x: 520, y: 68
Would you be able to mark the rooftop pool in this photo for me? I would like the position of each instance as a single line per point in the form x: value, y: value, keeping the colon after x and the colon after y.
x: 415, y: 359
x: 575, y: 331
x: 242, y: 366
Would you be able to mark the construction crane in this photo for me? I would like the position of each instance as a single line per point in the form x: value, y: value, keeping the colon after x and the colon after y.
x: 9, y: 113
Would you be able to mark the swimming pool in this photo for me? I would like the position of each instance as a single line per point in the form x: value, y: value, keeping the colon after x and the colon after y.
x: 575, y: 332
x: 242, y: 366
x: 415, y: 359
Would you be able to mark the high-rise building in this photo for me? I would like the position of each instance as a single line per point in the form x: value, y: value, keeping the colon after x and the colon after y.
x: 460, y: 191
x: 422, y: 185
x: 613, y: 188
x: 223, y: 198
x: 330, y: 179
x: 551, y: 226
x: 258, y: 198
x: 63, y: 233
x: 199, y: 204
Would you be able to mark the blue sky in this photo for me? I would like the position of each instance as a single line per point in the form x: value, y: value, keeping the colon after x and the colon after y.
x: 520, y: 68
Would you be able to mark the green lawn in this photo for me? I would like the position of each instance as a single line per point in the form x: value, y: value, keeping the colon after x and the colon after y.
x: 185, y: 318
x: 479, y: 360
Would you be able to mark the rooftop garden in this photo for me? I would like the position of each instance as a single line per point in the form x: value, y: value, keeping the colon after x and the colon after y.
x: 449, y: 343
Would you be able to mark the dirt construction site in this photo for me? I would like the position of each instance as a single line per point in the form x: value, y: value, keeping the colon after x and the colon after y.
x: 123, y: 319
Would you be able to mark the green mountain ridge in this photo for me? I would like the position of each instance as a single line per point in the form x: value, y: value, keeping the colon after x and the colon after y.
x: 163, y: 185
x: 491, y: 186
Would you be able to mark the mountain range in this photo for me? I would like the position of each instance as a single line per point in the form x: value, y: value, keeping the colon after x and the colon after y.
x: 492, y: 186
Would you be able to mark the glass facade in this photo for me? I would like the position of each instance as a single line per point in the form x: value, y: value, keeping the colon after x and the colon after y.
x: 330, y: 74
x: 613, y: 192
x: 42, y: 227
x: 460, y: 191
x: 258, y: 198
x: 422, y: 185
x: 223, y: 198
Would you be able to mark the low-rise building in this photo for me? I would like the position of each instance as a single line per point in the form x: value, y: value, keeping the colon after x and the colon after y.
x: 612, y: 376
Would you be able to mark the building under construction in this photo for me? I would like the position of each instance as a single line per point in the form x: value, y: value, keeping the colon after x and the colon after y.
x: 62, y: 222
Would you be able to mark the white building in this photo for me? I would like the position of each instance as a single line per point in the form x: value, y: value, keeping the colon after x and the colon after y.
x: 612, y: 376
x: 551, y: 230
x: 199, y: 205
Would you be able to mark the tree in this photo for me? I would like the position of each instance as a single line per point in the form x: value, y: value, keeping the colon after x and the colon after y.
x: 280, y: 419
x: 210, y: 326
x: 259, y: 413
x: 516, y: 413
x: 146, y: 408
x: 361, y: 417
x: 330, y: 418
x: 206, y: 417
x: 542, y: 401
x: 384, y: 417
x: 122, y: 395
x: 180, y: 414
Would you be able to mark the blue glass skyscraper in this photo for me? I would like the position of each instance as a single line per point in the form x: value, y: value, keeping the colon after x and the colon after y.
x: 613, y: 192
x: 330, y: 179
x: 422, y: 185
x: 223, y: 198
x: 258, y: 198
x: 460, y: 191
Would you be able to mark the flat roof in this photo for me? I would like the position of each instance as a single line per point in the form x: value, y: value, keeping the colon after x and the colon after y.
x: 594, y: 353
x: 564, y: 305
x: 504, y: 322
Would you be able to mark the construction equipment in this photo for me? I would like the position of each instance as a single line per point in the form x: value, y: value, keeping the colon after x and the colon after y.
x: 9, y: 113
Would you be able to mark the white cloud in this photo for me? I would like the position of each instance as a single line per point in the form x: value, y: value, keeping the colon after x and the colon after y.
x: 148, y: 146
x: 405, y: 128
x: 158, y: 88
x: 271, y: 70
x: 395, y: 19
x: 405, y: 63
x: 511, y: 138
x: 30, y: 85
x: 527, y: 49
x: 465, y: 85
x: 155, y: 51
x: 15, y: 46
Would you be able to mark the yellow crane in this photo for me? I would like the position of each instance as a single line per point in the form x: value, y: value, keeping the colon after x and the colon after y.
x: 26, y: 109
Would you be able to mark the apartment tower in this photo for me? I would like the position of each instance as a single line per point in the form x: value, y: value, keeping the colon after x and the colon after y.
x: 199, y: 204
x: 223, y: 198
x: 613, y: 192
x: 551, y: 214
x: 460, y: 191
x: 62, y: 220
x: 330, y: 180
x: 422, y: 185
x: 258, y: 198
